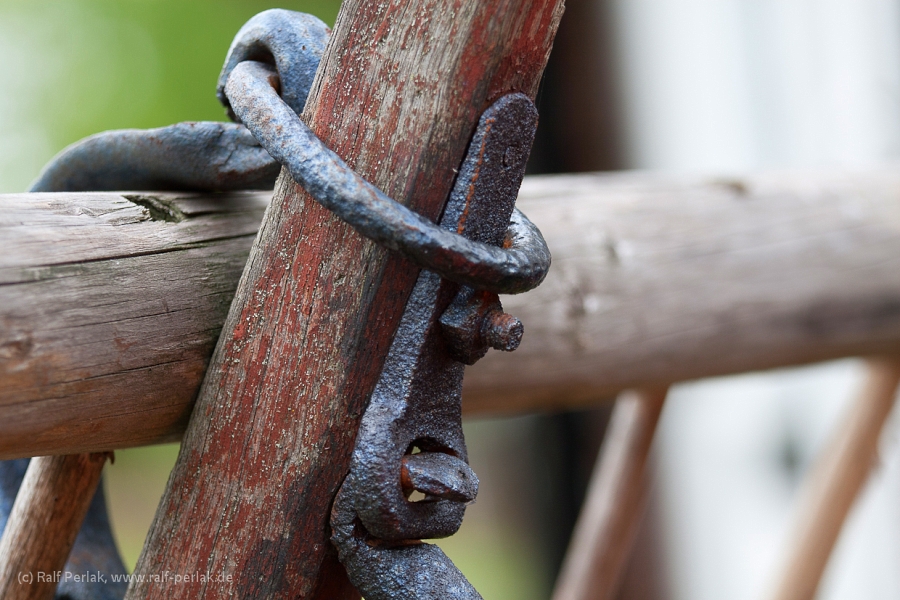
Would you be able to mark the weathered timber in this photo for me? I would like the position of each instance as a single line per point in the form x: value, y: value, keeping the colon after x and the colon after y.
x: 615, y: 502
x: 44, y: 523
x: 658, y: 279
x: 836, y: 480
x: 398, y: 94
x: 109, y: 312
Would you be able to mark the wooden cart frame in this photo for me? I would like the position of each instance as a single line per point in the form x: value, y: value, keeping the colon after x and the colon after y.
x: 109, y: 330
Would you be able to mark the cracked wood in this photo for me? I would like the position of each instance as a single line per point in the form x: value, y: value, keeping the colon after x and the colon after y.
x: 108, y: 318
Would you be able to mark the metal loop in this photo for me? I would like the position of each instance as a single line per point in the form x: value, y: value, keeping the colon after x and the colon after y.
x: 293, y: 42
x: 184, y: 156
x: 516, y: 268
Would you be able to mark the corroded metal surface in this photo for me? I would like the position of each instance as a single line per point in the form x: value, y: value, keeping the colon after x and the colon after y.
x: 475, y: 322
x: 203, y: 156
x: 411, y: 437
x: 294, y: 42
x: 482, y: 246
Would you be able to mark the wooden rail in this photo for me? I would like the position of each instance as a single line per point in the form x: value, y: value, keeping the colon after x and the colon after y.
x: 110, y: 304
x: 836, y: 480
x: 615, y: 502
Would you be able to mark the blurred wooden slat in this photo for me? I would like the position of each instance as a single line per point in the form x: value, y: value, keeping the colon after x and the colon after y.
x: 108, y: 317
x: 615, y: 501
x: 835, y: 482
x: 44, y: 522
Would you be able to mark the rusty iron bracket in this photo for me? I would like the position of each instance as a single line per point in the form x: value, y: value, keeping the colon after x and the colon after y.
x: 411, y: 434
x: 411, y: 437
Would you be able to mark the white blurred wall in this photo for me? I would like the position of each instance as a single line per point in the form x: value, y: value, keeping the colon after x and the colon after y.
x: 738, y: 84
x: 728, y: 86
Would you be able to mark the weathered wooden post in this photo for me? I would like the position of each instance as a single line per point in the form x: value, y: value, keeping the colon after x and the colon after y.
x: 397, y: 95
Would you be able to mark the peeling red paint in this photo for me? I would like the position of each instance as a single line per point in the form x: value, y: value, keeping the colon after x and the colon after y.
x: 318, y: 305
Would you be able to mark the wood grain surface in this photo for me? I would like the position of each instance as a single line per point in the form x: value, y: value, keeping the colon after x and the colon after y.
x: 616, y: 501
x: 398, y: 94
x: 109, y: 313
x: 44, y: 522
x: 658, y: 278
x: 108, y: 317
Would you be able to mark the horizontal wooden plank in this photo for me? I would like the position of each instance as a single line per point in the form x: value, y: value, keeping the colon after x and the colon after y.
x: 110, y: 303
x: 110, y: 306
x: 658, y: 279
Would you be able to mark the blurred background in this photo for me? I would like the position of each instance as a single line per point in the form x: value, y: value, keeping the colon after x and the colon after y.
x: 712, y: 86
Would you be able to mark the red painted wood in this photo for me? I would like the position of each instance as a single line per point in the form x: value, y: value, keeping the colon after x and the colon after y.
x: 398, y: 95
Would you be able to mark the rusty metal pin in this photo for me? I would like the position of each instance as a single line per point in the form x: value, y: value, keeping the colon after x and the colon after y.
x: 475, y: 321
x: 440, y: 475
x: 502, y: 331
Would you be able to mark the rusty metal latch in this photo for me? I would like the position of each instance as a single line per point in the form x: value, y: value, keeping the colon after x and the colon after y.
x: 410, y: 438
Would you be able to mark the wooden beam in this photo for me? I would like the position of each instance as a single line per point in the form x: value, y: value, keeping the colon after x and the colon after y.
x: 836, y: 480
x: 398, y: 94
x: 44, y: 522
x: 615, y: 502
x: 108, y: 317
x: 658, y: 279
x: 109, y: 312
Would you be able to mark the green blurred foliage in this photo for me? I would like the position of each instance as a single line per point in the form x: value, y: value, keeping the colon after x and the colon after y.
x: 134, y: 482
x: 75, y: 67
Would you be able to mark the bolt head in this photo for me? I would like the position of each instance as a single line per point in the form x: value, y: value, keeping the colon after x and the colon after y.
x: 502, y: 331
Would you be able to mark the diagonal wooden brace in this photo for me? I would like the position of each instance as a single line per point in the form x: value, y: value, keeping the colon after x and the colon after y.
x: 44, y: 522
x: 397, y: 95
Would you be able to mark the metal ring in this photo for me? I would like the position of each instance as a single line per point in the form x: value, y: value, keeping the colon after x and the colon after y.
x: 518, y: 267
x: 203, y: 156
x: 294, y: 42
